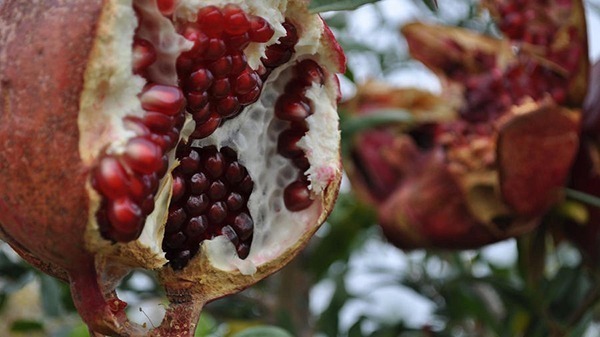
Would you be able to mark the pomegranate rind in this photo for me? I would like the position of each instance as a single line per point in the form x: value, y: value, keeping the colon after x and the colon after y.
x: 535, y: 152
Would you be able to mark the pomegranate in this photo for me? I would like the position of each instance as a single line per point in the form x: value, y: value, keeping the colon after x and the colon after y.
x: 198, y: 139
x: 464, y: 174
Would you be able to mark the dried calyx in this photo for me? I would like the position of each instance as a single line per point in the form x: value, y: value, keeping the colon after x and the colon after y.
x: 467, y: 173
x: 198, y: 139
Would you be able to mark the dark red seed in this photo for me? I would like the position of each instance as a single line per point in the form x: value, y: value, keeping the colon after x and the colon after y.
x: 236, y: 21
x: 238, y: 43
x: 217, y: 191
x: 164, y: 166
x: 144, y: 55
x: 167, y: 7
x: 158, y: 122
x: 238, y: 63
x: 196, y: 205
x: 230, y: 234
x: 228, y: 106
x: 207, y: 128
x: 148, y: 205
x: 200, y: 80
x: 143, y: 156
x: 287, y: 143
x: 175, y: 219
x: 310, y: 72
x: 220, y: 88
x: 215, y: 48
x: 211, y: 20
x: 291, y: 36
x: 178, y: 187
x: 138, y: 190
x: 246, y: 82
x: 296, y: 196
x: 203, y: 114
x: 244, y: 226
x: 125, y: 217
x: 260, y: 30
x: 136, y: 125
x: 229, y: 153
x: 234, y: 201
x: 301, y: 163
x: 165, y: 99
x: 292, y: 108
x: 243, y: 250
x: 246, y: 185
x: 110, y: 178
x: 276, y: 55
x: 198, y: 183
x: 221, y: 67
x: 217, y: 212
x: 250, y: 97
x: 193, y: 33
x: 196, y: 100
x: 190, y: 163
x: 215, y: 165
x: 235, y: 173
x: 175, y: 240
x: 196, y: 227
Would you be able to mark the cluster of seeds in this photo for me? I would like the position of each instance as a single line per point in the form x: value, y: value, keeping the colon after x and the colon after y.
x: 214, y: 74
x: 210, y: 194
x: 294, y: 107
x: 128, y: 181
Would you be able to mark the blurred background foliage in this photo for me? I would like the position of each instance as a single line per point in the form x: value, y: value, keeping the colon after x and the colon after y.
x: 349, y: 281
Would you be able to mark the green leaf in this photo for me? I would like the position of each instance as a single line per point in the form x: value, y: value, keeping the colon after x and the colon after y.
x: 318, y: 6
x: 263, y: 331
x: 51, y: 296
x: 207, y: 325
x: 26, y: 326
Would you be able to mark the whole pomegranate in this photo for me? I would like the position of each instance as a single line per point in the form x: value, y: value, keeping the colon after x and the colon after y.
x: 195, y: 138
x: 488, y: 157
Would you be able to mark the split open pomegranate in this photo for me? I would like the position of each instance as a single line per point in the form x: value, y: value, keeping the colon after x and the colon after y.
x: 462, y: 175
x: 195, y: 138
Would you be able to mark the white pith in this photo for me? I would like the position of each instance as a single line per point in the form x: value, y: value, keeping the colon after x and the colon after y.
x: 253, y: 134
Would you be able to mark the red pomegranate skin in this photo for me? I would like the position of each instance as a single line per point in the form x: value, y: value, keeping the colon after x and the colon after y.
x: 43, y: 200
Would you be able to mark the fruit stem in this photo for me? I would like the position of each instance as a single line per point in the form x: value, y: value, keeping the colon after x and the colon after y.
x: 583, y: 197
x: 181, y: 318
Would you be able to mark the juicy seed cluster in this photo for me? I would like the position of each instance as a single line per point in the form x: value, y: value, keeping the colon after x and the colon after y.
x: 294, y: 107
x: 214, y: 73
x: 128, y: 181
x: 210, y: 194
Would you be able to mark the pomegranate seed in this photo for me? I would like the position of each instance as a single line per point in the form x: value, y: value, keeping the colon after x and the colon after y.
x: 246, y: 82
x: 203, y: 114
x: 215, y: 165
x: 235, y: 173
x: 243, y: 226
x: 239, y: 63
x: 217, y: 212
x: 167, y: 7
x: 207, y: 128
x: 193, y: 33
x: 190, y: 163
x: 178, y: 187
x: 291, y: 35
x: 221, y: 67
x: 234, y: 201
x: 292, y: 108
x: 166, y: 99
x: 144, y: 55
x: 301, y: 163
x: 197, y: 100
x: 138, y: 188
x: 158, y: 122
x: 276, y: 55
x: 125, y: 217
x: 228, y: 106
x: 148, y: 205
x: 198, y: 183
x: 243, y: 250
x: 246, y: 185
x: 200, y: 80
x: 211, y: 20
x: 196, y: 227
x: 260, y: 30
x: 217, y: 191
x: 220, y: 88
x: 310, y: 72
x: 236, y: 21
x: 238, y: 42
x: 231, y: 235
x: 287, y: 143
x: 175, y: 240
x: 215, y: 49
x: 250, y: 97
x: 175, y: 219
x: 143, y: 156
x: 196, y: 205
x: 296, y: 196
x: 110, y: 178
